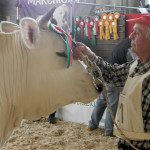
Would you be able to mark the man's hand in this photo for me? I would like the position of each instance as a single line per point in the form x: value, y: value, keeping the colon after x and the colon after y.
x: 81, y: 49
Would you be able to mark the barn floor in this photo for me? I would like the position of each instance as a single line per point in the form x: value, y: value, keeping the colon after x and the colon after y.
x: 61, y: 136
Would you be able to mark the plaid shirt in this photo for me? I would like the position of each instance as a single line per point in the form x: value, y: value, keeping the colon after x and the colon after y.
x: 118, y: 75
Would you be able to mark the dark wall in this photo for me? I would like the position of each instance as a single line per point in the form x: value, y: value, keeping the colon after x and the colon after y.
x: 8, y: 7
x: 8, y: 10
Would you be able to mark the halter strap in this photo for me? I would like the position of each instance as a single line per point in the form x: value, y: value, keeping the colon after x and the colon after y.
x: 68, y: 42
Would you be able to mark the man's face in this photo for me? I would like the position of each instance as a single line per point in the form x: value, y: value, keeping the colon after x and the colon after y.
x: 140, y: 44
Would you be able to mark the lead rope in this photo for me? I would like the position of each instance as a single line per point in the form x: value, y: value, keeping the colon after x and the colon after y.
x: 90, y: 67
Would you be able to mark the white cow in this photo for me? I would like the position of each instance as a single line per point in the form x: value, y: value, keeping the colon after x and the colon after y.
x: 34, y: 81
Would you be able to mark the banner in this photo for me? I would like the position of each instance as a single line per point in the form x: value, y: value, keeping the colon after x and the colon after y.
x: 35, y: 8
x: 78, y: 112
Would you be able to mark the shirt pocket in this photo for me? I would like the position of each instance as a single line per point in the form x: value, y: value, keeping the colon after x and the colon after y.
x: 123, y: 113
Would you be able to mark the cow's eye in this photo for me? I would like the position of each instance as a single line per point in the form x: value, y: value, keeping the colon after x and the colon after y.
x: 62, y: 54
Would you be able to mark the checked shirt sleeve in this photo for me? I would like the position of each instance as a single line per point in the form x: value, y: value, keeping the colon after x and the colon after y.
x: 116, y: 74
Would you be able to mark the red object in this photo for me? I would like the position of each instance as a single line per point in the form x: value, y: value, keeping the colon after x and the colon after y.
x: 91, y: 24
x: 129, y: 25
x: 143, y: 19
x: 96, y: 27
x: 69, y: 41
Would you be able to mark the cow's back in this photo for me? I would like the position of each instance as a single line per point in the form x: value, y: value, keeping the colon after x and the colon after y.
x: 13, y: 63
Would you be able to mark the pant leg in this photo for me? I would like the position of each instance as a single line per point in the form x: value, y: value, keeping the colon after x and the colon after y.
x: 51, y: 118
x: 113, y: 96
x: 98, y: 111
x: 53, y: 114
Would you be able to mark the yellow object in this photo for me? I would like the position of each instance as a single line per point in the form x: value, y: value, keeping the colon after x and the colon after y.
x: 107, y: 33
x: 114, y: 24
x: 116, y: 15
x: 108, y: 25
x: 110, y: 19
x: 101, y: 26
x: 104, y: 16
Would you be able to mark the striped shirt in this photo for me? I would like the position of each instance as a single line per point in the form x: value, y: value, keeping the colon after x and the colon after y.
x: 117, y: 75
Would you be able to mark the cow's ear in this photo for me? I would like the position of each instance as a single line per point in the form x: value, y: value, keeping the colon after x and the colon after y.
x: 8, y: 27
x: 30, y: 32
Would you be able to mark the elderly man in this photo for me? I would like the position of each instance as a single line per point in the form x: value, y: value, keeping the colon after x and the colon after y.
x: 119, y: 55
x: 134, y: 106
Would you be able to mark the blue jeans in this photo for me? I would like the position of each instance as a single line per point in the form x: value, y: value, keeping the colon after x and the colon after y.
x: 99, y: 109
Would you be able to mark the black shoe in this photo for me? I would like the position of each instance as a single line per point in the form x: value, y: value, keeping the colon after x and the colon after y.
x: 111, y: 135
x: 37, y: 120
x: 51, y: 119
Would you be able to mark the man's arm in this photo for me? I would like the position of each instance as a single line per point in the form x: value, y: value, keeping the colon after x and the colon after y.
x: 111, y: 74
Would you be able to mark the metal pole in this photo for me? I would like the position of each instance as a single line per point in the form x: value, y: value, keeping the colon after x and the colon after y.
x: 18, y: 5
x: 82, y: 3
x: 71, y: 16
x: 127, y: 5
x: 141, y: 4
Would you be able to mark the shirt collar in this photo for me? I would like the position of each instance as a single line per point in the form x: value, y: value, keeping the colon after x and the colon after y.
x: 141, y: 68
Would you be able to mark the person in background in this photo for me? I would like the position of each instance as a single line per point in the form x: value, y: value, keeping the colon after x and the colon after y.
x: 133, y: 116
x: 119, y: 55
x: 147, y: 8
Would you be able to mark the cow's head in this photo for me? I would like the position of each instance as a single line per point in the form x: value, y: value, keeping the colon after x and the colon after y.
x: 30, y: 28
